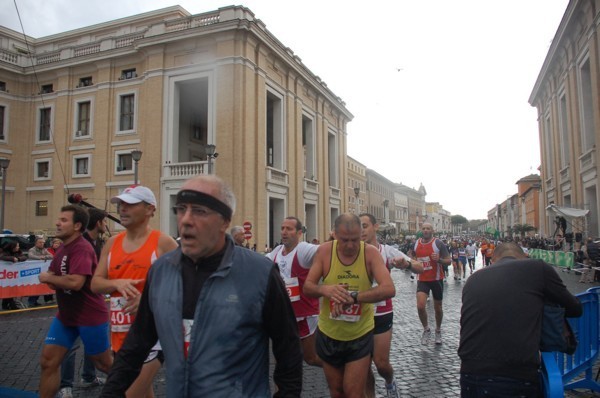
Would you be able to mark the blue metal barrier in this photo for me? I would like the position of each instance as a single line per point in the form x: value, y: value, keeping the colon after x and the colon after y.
x: 559, y: 370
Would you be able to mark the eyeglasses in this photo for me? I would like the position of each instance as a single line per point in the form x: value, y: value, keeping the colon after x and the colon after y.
x: 197, y: 211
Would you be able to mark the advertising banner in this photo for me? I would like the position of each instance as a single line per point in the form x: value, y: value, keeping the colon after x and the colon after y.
x: 558, y: 258
x: 21, y: 279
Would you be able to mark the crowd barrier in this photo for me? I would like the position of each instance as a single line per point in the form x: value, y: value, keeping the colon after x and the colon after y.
x: 559, y: 371
x: 558, y: 258
x: 21, y: 279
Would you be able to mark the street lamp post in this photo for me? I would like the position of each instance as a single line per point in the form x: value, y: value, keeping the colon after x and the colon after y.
x: 385, y: 211
x: 136, y: 155
x: 3, y: 165
x: 356, y: 205
x: 210, y: 155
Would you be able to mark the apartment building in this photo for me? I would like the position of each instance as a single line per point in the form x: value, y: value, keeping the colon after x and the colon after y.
x: 566, y: 95
x: 182, y: 89
x: 356, y: 190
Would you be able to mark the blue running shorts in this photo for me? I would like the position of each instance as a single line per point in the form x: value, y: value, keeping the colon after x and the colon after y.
x: 95, y: 338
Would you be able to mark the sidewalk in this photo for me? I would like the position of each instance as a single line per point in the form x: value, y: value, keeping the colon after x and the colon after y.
x: 421, y: 371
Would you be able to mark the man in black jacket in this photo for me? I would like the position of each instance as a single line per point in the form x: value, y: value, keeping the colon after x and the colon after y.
x: 501, y: 321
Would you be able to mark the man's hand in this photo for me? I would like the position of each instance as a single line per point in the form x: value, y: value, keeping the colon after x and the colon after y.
x: 127, y: 287
x: 337, y: 294
x: 44, y: 276
x: 132, y: 305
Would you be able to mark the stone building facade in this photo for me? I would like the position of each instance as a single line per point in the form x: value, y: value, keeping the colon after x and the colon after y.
x: 74, y: 105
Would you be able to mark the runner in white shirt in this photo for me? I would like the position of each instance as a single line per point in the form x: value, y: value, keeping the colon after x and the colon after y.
x: 384, y: 312
x: 294, y: 258
x: 471, y: 254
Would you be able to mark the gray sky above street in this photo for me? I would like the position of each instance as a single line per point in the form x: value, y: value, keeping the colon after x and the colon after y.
x: 438, y: 88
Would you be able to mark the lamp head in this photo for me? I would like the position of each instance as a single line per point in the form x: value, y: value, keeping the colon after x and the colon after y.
x: 136, y: 155
x: 210, y: 150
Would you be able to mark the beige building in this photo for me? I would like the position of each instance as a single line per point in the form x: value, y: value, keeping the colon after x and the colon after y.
x: 567, y: 97
x: 356, y: 188
x: 438, y: 217
x: 74, y: 105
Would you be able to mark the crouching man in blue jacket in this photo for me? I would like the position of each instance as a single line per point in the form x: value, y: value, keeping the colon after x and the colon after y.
x: 213, y: 306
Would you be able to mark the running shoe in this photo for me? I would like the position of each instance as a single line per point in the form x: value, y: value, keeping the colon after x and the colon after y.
x: 391, y: 389
x: 98, y: 381
x: 438, y: 337
x: 426, y: 337
x: 65, y: 392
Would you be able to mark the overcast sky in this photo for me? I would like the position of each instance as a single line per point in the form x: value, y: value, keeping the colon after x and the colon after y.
x: 438, y: 88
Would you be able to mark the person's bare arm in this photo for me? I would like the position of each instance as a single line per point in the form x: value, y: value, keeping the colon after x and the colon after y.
x: 377, y: 271
x: 320, y: 267
x: 165, y: 244
x: 66, y: 282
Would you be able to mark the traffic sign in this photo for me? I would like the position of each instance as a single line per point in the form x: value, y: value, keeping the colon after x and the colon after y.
x: 248, y: 235
x: 247, y: 226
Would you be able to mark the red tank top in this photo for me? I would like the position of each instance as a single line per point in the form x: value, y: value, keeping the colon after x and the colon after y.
x: 432, y: 271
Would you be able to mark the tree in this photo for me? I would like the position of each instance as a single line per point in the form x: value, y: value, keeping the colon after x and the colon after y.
x: 459, y: 220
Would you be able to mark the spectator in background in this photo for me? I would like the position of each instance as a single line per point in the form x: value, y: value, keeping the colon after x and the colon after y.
x: 591, y: 254
x: 237, y: 233
x: 39, y: 252
x: 12, y: 252
x: 55, y: 244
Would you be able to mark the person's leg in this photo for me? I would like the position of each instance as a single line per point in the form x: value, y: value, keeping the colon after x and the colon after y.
x: 67, y: 368
x: 59, y: 340
x: 32, y: 301
x: 355, y: 377
x: 439, y: 313
x: 381, y: 355
x: 52, y: 356
x: 97, y: 346
x: 421, y: 308
x: 88, y: 374
x: 103, y: 361
x: 335, y: 380
x: 307, y: 328
x: 309, y: 352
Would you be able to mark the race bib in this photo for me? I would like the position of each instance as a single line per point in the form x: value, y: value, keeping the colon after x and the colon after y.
x: 119, y: 320
x: 293, y: 288
x: 351, y: 312
x: 426, y: 262
x: 187, y: 333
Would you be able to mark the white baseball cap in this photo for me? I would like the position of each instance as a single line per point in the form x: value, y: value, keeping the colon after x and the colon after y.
x: 136, y: 194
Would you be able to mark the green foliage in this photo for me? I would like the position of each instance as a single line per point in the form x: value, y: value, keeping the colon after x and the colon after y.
x: 459, y: 220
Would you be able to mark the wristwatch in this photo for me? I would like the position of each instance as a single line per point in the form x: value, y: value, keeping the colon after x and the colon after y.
x: 354, y: 296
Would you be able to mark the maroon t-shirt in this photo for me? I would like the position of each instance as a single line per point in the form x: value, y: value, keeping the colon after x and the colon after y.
x: 83, y: 307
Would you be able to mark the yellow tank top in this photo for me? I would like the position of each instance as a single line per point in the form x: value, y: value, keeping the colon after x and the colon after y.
x: 357, y: 320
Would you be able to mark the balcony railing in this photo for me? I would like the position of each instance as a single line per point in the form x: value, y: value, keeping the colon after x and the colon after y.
x: 310, y: 185
x: 184, y: 170
x: 588, y: 159
x: 334, y: 192
x: 277, y: 176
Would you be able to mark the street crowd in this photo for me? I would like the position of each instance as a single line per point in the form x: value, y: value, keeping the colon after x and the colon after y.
x: 211, y: 311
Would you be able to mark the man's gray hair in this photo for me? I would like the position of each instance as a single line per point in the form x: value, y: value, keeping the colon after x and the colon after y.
x: 235, y: 230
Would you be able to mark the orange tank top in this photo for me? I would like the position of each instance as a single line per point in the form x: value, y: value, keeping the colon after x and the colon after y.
x: 124, y: 265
